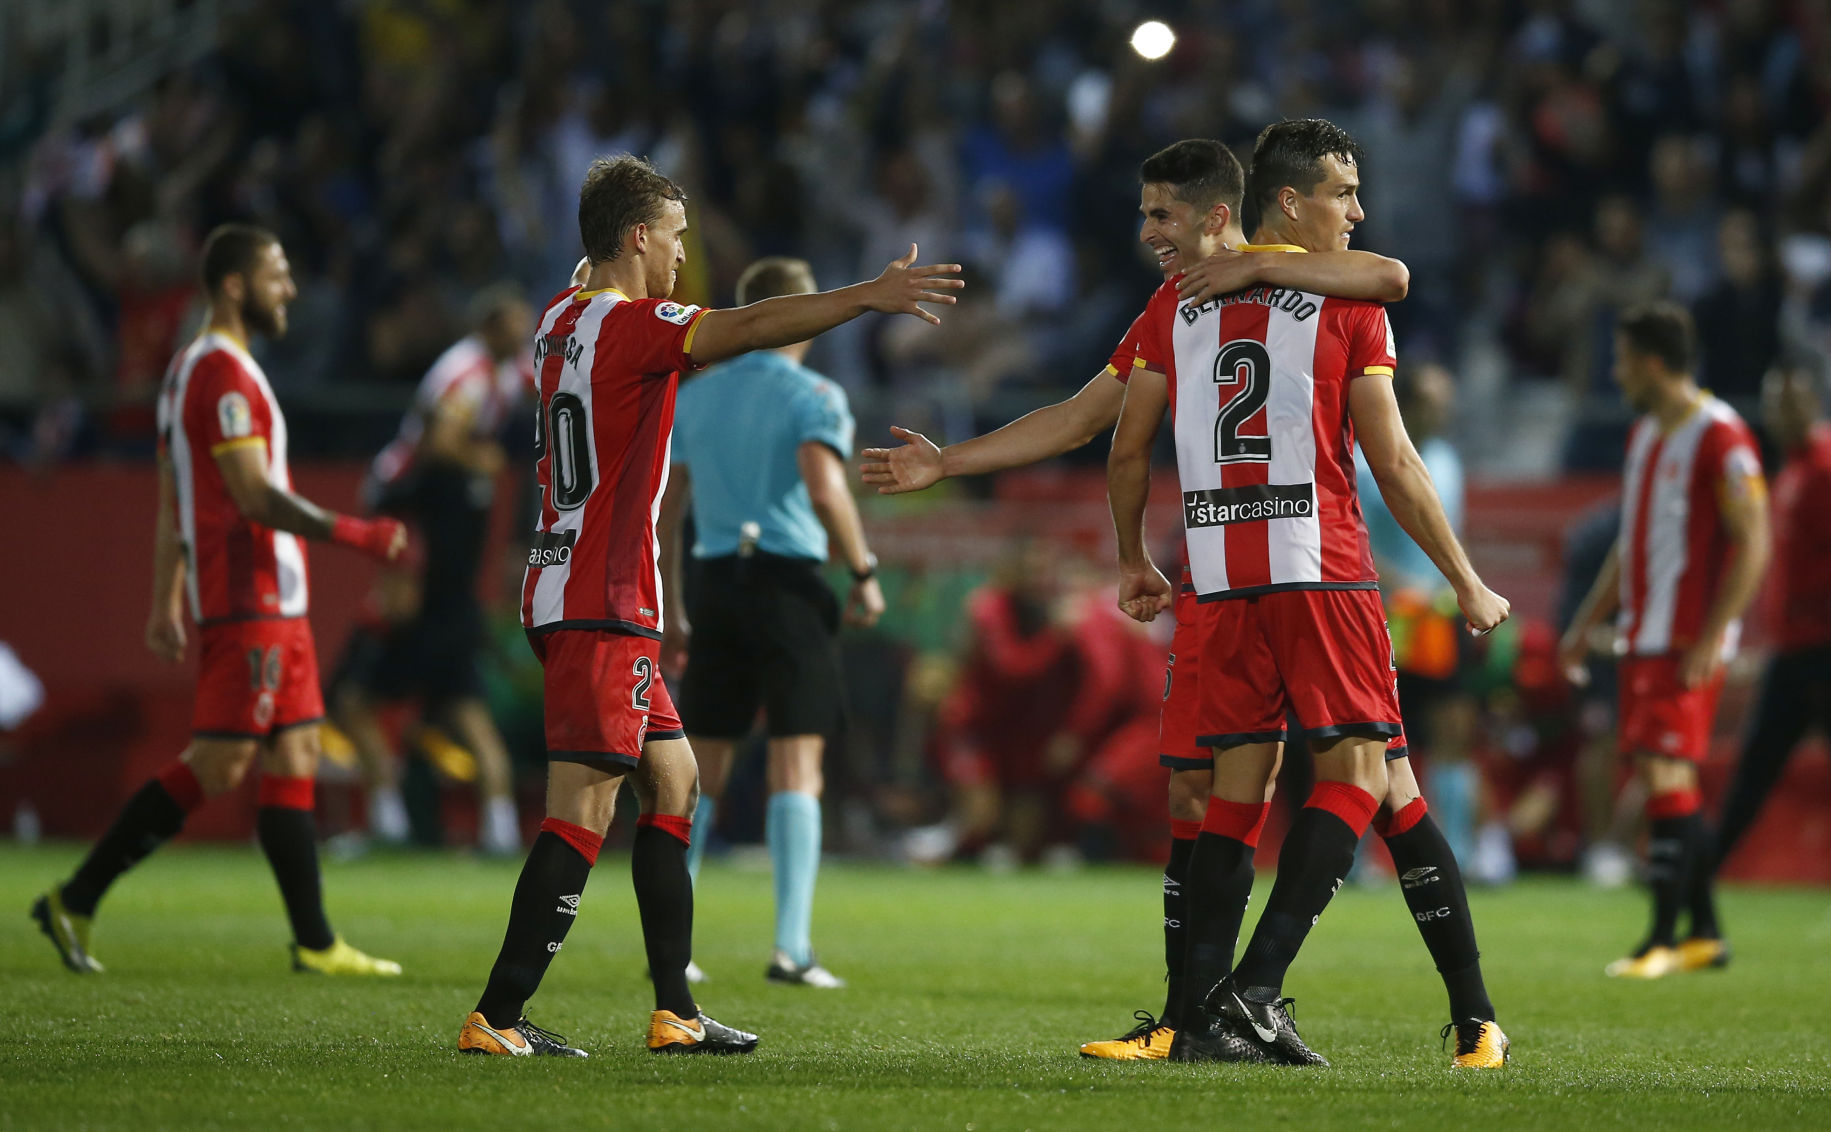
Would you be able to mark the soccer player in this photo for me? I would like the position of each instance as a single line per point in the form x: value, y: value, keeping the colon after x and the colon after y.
x: 440, y: 473
x: 1793, y: 687
x: 1433, y: 887
x: 608, y: 358
x: 760, y: 445
x: 1693, y: 543
x: 227, y: 539
x: 1268, y: 388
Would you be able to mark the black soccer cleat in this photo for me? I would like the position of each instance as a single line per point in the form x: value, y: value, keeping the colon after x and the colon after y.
x: 1258, y: 1015
x: 1215, y: 1039
x: 670, y: 1033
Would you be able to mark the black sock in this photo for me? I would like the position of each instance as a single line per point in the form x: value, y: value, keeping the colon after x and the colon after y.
x: 289, y: 837
x: 1220, y: 883
x: 1700, y: 895
x: 1317, y: 854
x: 1175, y: 925
x: 664, y: 897
x: 1433, y: 888
x: 149, y: 819
x: 1671, y: 851
x: 545, y: 905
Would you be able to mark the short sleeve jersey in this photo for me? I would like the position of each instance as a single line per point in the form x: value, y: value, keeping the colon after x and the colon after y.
x: 465, y: 378
x: 608, y: 368
x: 215, y: 398
x: 739, y: 430
x: 1674, y: 550
x: 1125, y: 354
x: 1258, y: 389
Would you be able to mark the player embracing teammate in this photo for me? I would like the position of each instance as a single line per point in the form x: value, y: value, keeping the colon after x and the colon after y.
x: 608, y: 360
x: 1268, y: 389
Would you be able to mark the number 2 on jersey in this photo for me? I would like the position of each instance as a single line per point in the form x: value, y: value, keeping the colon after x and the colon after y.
x: 1244, y: 363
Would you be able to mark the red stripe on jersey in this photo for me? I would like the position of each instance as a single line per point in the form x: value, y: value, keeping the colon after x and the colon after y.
x: 1347, y: 552
x: 1248, y: 544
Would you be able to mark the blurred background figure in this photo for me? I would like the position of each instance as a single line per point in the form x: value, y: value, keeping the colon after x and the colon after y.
x: 440, y: 475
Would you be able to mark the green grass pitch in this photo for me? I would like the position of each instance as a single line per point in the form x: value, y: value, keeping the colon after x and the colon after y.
x: 969, y: 995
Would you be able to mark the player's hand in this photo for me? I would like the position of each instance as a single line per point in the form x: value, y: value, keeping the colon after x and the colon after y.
x: 1143, y: 594
x: 1573, y: 657
x: 676, y: 637
x: 1701, y: 663
x: 165, y: 636
x: 865, y: 604
x: 1484, y: 608
x: 914, y: 466
x: 1222, y: 273
x: 397, y: 540
x: 902, y: 287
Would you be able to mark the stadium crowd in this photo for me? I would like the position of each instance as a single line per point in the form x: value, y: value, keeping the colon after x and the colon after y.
x: 1538, y: 164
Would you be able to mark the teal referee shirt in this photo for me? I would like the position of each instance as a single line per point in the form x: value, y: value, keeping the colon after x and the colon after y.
x: 737, y: 428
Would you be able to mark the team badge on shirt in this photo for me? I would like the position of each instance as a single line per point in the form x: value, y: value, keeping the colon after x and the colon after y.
x: 234, y: 415
x: 674, y: 313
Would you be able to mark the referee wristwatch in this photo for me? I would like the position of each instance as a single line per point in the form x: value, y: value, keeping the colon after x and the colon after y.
x: 870, y: 570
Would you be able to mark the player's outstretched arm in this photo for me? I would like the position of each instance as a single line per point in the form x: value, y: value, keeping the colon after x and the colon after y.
x: 1343, y: 274
x: 244, y: 471
x: 1143, y: 590
x: 824, y: 473
x: 788, y: 319
x: 1049, y: 431
x: 165, y: 624
x: 1406, y: 486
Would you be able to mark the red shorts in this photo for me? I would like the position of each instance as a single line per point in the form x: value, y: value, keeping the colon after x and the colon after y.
x: 1323, y: 655
x: 1176, y: 745
x: 1659, y: 715
x: 604, y: 696
x: 256, y: 677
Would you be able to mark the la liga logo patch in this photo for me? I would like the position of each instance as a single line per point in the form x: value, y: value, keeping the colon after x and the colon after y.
x: 674, y: 313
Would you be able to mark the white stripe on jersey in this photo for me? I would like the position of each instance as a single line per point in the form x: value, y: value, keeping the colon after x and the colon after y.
x: 550, y: 590
x: 178, y: 450
x: 1295, y: 542
x: 1196, y: 350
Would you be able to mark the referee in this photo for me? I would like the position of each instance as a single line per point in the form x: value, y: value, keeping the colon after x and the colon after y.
x: 760, y: 445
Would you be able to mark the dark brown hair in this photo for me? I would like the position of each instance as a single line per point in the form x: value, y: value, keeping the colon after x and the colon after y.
x: 230, y: 249
x: 1660, y: 330
x: 618, y: 194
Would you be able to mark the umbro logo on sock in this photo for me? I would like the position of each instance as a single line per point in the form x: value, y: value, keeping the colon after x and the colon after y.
x: 1419, y: 877
x: 1171, y: 888
x: 569, y: 904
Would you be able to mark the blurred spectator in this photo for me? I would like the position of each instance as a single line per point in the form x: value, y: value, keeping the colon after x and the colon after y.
x: 1738, y: 335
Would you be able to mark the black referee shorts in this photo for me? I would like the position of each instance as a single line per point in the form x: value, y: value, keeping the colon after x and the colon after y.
x: 764, y: 635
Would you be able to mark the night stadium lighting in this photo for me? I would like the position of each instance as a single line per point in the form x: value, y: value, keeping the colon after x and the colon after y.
x: 1153, y: 39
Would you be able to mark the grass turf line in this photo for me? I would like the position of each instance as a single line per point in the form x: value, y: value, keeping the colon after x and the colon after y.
x: 969, y: 995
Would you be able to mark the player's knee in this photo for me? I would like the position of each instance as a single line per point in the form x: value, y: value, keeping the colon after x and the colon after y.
x: 1189, y: 791
x: 220, y: 768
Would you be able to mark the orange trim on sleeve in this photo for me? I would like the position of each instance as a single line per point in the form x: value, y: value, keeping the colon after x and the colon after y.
x: 686, y: 347
x: 238, y: 442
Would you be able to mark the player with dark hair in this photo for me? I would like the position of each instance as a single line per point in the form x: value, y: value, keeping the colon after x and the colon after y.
x: 1694, y: 541
x: 1794, y: 685
x: 609, y: 356
x: 1267, y: 388
x: 1201, y: 184
x: 227, y: 538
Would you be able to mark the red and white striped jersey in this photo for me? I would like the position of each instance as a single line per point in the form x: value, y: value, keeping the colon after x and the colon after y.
x: 215, y: 398
x: 1258, y: 388
x: 464, y: 378
x: 1673, y: 549
x: 608, y: 368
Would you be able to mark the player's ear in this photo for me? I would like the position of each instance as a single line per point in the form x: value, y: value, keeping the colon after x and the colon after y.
x: 638, y: 238
x: 1287, y: 202
x: 1218, y: 216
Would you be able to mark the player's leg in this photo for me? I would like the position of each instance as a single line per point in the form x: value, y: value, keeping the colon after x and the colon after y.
x: 1431, y: 882
x: 1189, y: 791
x: 667, y: 785
x: 792, y: 829
x: 581, y: 797
x: 151, y: 817
x: 1788, y: 690
x: 288, y: 837
x: 1221, y: 867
